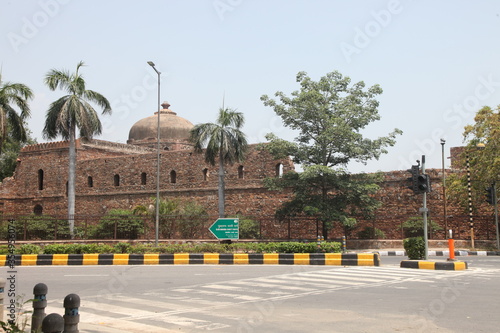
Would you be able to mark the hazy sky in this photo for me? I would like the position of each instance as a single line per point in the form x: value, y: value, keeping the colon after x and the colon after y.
x: 437, y: 61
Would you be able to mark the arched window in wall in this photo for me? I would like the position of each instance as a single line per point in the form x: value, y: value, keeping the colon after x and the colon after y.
x: 173, y: 177
x: 205, y: 174
x: 116, y: 180
x: 40, y: 179
x: 241, y: 172
x: 279, y: 170
x: 90, y: 181
x: 143, y: 178
x: 38, y: 210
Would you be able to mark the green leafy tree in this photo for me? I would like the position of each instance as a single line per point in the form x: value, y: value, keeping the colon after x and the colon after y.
x: 329, y: 116
x: 10, y: 152
x: 192, y: 219
x: 222, y: 142
x: 70, y: 112
x: 126, y: 224
x: 187, y: 216
x: 12, y: 124
x: 482, y: 152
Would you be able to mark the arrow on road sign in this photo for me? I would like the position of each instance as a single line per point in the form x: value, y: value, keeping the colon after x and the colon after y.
x: 226, y: 228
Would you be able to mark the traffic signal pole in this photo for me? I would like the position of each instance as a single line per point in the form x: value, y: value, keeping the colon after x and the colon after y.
x: 424, y: 213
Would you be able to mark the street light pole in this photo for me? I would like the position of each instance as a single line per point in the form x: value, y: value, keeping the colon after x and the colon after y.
x: 157, y: 206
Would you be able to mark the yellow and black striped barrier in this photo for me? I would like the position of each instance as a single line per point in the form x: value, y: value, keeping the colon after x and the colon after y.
x: 339, y: 259
x: 437, y: 265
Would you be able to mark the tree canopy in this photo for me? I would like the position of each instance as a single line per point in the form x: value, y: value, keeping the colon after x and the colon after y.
x: 10, y: 152
x: 482, y: 151
x: 329, y: 115
x: 222, y: 142
x: 12, y: 96
x: 70, y: 112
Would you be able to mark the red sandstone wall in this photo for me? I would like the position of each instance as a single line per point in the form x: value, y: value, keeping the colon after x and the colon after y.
x: 243, y: 195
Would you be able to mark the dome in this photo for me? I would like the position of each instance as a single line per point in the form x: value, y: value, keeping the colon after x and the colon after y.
x: 174, y: 130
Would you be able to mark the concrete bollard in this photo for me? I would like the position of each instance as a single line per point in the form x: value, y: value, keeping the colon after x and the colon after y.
x: 71, y: 316
x: 53, y: 323
x: 2, y: 293
x: 39, y: 305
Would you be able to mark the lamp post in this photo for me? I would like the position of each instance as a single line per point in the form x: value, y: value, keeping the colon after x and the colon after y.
x: 444, y: 188
x: 157, y: 207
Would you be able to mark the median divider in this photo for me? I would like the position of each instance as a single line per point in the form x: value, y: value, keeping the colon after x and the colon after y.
x: 436, y: 265
x: 338, y: 259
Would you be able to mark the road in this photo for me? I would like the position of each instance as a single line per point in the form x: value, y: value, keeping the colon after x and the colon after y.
x: 206, y: 298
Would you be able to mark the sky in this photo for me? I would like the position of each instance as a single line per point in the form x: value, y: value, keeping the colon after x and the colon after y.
x: 436, y: 61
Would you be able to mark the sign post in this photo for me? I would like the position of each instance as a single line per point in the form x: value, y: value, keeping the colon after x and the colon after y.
x: 226, y: 228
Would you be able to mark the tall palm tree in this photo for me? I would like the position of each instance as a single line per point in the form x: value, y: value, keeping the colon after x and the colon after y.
x: 67, y: 114
x: 10, y: 120
x: 225, y: 143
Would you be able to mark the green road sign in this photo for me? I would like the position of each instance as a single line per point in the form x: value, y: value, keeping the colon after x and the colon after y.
x: 226, y: 228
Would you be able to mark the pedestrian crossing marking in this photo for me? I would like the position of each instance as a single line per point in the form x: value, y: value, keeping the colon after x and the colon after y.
x: 201, y: 307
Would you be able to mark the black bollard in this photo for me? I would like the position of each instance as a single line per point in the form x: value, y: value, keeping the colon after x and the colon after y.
x: 39, y: 305
x: 71, y: 316
x: 53, y: 323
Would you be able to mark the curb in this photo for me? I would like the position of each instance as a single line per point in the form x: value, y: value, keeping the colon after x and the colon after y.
x: 339, y: 259
x: 443, y: 253
x: 436, y: 265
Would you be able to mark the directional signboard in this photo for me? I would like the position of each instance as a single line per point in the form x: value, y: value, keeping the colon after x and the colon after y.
x: 226, y: 228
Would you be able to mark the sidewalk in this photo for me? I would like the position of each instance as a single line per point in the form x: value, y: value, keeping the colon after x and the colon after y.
x: 438, y: 252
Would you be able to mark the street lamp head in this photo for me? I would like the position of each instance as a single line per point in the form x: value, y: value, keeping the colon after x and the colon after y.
x: 150, y: 63
x: 443, y: 141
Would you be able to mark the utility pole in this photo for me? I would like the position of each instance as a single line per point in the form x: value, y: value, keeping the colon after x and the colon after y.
x: 424, y: 212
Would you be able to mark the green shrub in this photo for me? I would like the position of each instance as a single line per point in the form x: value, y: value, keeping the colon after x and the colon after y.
x: 249, y: 229
x: 191, y: 218
x: 37, y: 227
x: 4, y: 249
x: 28, y: 249
x: 123, y: 248
x: 128, y: 225
x: 331, y: 247
x: 371, y: 233
x: 56, y: 249
x: 414, y: 226
x: 414, y: 247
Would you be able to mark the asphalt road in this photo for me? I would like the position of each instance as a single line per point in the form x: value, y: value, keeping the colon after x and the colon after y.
x: 197, y: 298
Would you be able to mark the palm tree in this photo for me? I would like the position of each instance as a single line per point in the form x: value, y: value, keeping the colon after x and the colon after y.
x: 10, y: 121
x: 225, y: 143
x: 67, y: 114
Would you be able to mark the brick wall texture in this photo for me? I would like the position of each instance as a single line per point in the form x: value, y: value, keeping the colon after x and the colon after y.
x: 112, y: 175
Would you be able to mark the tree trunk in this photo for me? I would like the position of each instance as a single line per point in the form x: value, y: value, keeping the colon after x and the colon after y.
x: 71, y: 181
x: 222, y: 197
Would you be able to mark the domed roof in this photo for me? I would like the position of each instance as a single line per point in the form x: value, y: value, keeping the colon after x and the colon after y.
x: 172, y: 128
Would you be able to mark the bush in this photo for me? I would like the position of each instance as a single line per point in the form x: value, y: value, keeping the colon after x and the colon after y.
x: 192, y: 216
x: 414, y: 247
x: 249, y: 229
x: 123, y: 248
x: 414, y: 226
x: 37, y: 227
x: 371, y: 233
x: 277, y: 247
x: 128, y: 225
x: 28, y: 249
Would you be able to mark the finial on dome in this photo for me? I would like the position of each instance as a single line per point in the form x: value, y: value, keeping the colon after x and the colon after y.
x: 165, y: 105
